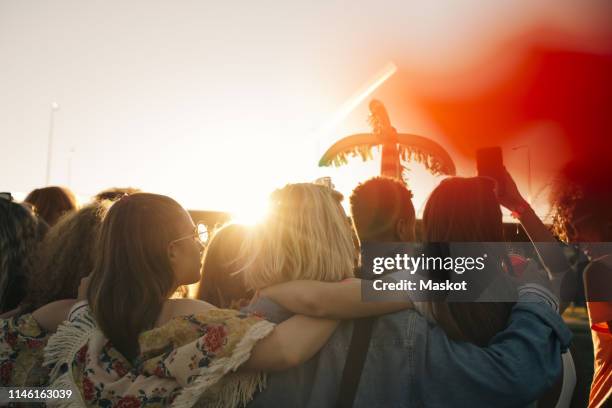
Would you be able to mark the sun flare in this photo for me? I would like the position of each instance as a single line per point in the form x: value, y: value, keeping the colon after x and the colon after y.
x: 251, y: 212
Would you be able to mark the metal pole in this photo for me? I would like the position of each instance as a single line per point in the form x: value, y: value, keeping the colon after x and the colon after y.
x: 529, y: 174
x: 54, y: 108
x: 528, y: 169
x: 71, y: 153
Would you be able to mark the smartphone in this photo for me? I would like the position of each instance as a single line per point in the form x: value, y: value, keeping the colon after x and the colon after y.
x: 490, y: 163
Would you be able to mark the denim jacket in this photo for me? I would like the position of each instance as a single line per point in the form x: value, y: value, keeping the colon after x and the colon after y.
x: 412, y: 363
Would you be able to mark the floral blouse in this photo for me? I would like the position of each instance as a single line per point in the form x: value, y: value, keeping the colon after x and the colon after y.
x: 22, y: 343
x: 189, y: 361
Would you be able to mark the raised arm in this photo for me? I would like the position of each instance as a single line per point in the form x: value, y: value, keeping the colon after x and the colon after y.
x: 519, y: 364
x: 290, y: 344
x: 548, y: 248
x: 335, y: 300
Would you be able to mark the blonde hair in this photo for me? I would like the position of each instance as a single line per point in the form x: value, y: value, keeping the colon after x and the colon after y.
x: 307, y: 235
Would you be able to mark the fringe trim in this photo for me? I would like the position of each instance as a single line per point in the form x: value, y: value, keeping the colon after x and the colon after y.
x: 240, y: 388
x: 61, y: 349
x: 237, y: 391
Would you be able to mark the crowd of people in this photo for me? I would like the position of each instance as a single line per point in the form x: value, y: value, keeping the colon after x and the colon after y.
x: 93, y: 299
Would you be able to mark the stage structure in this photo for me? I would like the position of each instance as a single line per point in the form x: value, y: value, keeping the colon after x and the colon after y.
x: 398, y: 149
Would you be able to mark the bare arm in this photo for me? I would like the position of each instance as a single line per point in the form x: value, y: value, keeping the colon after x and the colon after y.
x: 290, y: 344
x: 548, y: 248
x: 11, y: 313
x: 334, y: 300
x: 53, y: 314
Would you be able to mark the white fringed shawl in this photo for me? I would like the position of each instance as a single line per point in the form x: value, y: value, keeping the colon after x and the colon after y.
x: 190, y: 361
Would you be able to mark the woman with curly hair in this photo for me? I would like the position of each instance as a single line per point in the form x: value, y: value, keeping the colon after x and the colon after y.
x: 582, y: 208
x: 64, y: 257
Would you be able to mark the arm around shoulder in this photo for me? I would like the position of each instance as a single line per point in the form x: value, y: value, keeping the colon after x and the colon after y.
x: 290, y: 344
x: 50, y: 316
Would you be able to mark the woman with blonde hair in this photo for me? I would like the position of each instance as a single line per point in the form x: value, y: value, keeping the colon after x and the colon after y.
x: 307, y: 235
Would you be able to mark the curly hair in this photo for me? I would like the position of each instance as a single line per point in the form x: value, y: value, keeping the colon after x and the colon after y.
x: 376, y: 206
x: 582, y: 194
x: 20, y: 233
x: 65, y: 256
x: 115, y: 193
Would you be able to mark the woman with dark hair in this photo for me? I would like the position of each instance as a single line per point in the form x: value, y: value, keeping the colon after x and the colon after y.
x: 467, y: 210
x: 20, y: 233
x: 582, y: 208
x: 220, y: 285
x: 63, y: 258
x: 50, y: 203
x: 130, y: 344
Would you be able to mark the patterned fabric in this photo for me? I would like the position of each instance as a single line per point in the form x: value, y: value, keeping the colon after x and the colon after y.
x: 189, y: 361
x: 22, y: 342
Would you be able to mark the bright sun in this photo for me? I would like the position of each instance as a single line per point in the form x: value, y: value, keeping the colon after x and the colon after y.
x: 251, y: 212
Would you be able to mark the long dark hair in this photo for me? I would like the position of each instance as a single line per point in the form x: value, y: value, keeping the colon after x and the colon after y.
x: 467, y: 210
x: 132, y: 276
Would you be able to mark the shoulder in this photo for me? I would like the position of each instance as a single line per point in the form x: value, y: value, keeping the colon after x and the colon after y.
x: 601, y: 263
x: 597, y: 278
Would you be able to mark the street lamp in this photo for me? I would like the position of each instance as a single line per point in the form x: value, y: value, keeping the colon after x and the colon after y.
x: 528, y: 167
x: 54, y: 108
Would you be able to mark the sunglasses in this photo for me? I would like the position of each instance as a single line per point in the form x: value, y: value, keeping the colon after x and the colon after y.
x: 6, y: 196
x: 200, y: 234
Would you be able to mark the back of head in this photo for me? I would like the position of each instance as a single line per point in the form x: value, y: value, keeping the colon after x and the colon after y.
x: 65, y: 256
x: 115, y: 193
x: 467, y: 210
x: 376, y: 207
x: 463, y: 209
x: 51, y: 203
x: 220, y: 285
x: 20, y: 234
x: 132, y: 276
x: 306, y: 235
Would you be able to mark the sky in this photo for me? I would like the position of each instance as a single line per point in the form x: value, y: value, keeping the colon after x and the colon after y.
x: 218, y: 103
